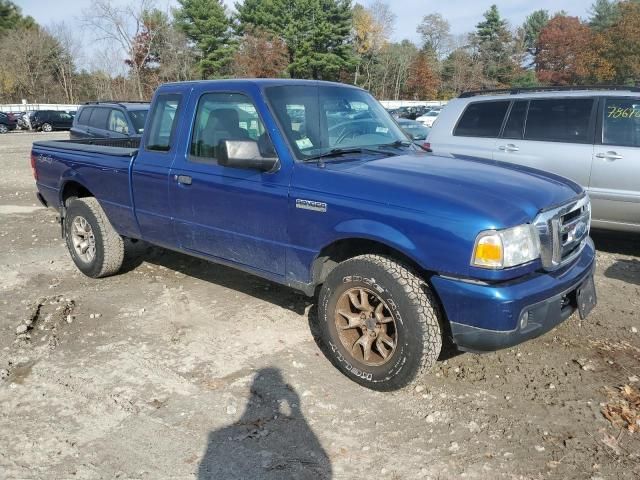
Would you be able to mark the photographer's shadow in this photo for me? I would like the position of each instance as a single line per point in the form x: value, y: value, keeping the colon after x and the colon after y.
x: 272, y: 439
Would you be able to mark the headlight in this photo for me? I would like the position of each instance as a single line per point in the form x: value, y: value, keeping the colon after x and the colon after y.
x: 506, y: 248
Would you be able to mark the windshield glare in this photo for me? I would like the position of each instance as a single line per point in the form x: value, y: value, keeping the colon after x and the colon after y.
x: 415, y: 130
x: 319, y: 119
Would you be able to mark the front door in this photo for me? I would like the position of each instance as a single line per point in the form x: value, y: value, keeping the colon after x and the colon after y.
x: 236, y: 215
x: 615, y: 175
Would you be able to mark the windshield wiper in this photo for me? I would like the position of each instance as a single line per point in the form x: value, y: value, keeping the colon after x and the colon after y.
x: 338, y: 152
x: 397, y: 143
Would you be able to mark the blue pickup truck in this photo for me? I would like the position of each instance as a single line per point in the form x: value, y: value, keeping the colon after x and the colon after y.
x: 313, y: 185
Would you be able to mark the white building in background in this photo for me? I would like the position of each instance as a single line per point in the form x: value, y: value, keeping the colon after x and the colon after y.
x: 30, y: 107
x: 391, y: 104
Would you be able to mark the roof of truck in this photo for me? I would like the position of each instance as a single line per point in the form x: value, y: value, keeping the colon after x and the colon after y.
x: 264, y: 82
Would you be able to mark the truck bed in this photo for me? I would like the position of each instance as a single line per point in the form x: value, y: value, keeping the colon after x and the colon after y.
x: 100, y: 165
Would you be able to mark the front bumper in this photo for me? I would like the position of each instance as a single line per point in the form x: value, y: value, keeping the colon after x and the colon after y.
x: 486, y: 317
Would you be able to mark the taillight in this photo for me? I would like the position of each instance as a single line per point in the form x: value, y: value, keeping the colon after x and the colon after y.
x: 33, y: 166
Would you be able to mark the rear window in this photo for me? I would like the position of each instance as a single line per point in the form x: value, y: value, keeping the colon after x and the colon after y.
x: 162, y: 124
x: 621, y: 122
x: 85, y: 114
x: 482, y: 119
x: 99, y: 118
x: 559, y: 120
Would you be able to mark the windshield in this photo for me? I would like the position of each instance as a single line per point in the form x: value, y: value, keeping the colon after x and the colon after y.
x: 138, y: 117
x: 321, y: 119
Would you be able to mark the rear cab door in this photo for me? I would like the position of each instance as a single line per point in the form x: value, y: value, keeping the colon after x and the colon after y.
x: 551, y: 134
x: 236, y: 215
x: 615, y: 176
x: 150, y: 170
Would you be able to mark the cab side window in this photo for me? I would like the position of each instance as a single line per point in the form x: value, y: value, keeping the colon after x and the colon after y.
x: 117, y: 122
x: 226, y: 116
x: 621, y: 122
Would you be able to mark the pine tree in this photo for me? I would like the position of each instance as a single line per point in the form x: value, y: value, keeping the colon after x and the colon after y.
x: 532, y: 26
x: 207, y: 25
x: 495, y: 47
x: 11, y: 17
x: 604, y: 13
x: 316, y: 32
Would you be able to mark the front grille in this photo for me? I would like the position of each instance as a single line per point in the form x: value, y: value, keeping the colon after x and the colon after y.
x: 563, y: 232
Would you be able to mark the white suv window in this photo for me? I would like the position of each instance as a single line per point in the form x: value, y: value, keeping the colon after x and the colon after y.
x: 559, y: 120
x: 482, y: 119
x: 621, y: 122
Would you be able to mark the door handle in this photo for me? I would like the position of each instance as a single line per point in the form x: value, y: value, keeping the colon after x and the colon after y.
x: 510, y: 147
x: 611, y: 155
x: 183, y: 179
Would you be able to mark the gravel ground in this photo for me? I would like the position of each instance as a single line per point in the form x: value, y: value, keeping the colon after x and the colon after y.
x: 178, y: 368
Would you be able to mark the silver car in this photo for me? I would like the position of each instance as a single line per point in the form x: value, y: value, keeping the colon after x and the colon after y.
x: 590, y: 135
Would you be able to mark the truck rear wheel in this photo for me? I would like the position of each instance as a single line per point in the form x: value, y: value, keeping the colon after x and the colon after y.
x: 94, y: 245
x: 379, y: 321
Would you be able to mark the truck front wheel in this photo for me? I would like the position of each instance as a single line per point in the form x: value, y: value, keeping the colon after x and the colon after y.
x: 94, y: 245
x: 380, y: 322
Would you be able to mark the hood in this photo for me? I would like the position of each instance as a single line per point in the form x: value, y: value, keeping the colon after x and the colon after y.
x: 502, y: 194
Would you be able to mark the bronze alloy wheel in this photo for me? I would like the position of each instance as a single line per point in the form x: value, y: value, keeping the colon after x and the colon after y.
x: 366, y: 327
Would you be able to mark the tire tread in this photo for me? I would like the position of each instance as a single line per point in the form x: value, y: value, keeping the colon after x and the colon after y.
x: 419, y: 293
x: 113, y: 244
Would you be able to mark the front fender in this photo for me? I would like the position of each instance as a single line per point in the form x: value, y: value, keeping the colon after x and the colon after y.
x: 379, y: 232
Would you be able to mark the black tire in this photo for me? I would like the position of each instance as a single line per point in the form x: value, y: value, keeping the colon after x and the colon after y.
x: 410, y: 301
x: 46, y: 127
x: 109, y: 246
x: 3, y: 128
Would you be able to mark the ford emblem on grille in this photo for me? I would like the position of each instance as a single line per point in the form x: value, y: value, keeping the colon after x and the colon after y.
x: 578, y: 231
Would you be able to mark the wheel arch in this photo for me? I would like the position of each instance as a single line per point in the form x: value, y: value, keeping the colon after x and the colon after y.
x: 352, y: 246
x: 72, y: 188
x: 69, y: 189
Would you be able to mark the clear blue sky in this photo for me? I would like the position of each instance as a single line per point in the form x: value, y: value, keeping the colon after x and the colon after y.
x: 462, y: 14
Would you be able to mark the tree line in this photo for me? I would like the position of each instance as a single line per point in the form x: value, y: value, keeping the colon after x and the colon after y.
x: 134, y: 47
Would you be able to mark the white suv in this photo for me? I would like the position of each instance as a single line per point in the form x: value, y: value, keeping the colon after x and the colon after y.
x: 590, y: 135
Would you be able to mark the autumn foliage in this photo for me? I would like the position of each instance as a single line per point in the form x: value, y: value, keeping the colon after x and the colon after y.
x: 261, y: 55
x: 570, y: 52
x: 622, y: 43
x: 423, y: 81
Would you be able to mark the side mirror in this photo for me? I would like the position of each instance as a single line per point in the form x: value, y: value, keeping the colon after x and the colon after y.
x: 244, y: 154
